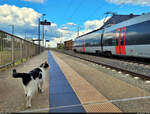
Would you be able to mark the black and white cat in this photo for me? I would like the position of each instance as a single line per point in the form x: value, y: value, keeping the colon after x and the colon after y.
x: 32, y: 81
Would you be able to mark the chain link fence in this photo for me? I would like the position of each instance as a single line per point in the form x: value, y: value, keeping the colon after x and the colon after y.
x: 13, y: 49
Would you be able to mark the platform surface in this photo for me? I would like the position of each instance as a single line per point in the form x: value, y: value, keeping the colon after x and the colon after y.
x: 62, y: 96
x: 69, y: 92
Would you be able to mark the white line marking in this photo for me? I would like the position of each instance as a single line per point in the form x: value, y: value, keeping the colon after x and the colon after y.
x: 88, y: 103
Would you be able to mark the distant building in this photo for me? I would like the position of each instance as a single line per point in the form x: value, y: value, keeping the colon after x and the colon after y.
x: 115, y: 19
x: 68, y: 44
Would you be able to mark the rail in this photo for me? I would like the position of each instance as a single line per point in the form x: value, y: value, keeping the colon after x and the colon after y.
x: 134, y: 70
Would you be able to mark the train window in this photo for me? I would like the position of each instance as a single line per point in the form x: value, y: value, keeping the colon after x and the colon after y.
x: 109, y: 42
x: 122, y: 37
x: 122, y: 42
x: 78, y: 43
x: 138, y: 34
x: 113, y: 42
x: 86, y: 43
x: 117, y: 38
x: 116, y: 41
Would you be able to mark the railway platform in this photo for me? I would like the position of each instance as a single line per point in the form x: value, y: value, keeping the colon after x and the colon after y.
x: 65, y: 90
x: 71, y: 86
x: 71, y: 93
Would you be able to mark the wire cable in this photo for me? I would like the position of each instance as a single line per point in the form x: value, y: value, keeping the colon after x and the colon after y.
x: 68, y: 7
x: 77, y: 8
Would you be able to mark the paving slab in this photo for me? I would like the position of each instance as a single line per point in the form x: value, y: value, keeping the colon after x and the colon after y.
x: 85, y: 91
x: 12, y: 98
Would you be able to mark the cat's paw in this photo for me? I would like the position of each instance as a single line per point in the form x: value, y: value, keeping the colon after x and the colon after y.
x: 28, y: 106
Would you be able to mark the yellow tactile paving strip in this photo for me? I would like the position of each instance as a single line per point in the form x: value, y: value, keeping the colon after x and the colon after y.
x: 85, y: 91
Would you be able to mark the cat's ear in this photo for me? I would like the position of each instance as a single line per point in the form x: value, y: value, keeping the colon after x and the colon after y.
x: 41, y: 65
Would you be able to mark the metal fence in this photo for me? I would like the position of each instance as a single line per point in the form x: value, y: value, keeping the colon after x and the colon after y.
x: 13, y: 48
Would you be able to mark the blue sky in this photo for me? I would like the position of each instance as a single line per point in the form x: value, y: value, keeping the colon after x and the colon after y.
x: 68, y: 14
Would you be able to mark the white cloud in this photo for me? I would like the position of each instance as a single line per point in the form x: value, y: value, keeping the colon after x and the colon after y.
x: 95, y: 24
x: 18, y: 16
x: 25, y: 20
x: 92, y: 24
x: 52, y: 44
x: 39, y: 1
x: 71, y: 24
x: 134, y: 2
x: 53, y: 25
x: 63, y: 32
x: 68, y: 35
x: 65, y: 28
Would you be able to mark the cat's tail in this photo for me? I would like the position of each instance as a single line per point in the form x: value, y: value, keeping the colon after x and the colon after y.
x: 16, y: 75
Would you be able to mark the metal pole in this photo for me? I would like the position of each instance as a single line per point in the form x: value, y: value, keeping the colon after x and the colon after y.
x: 43, y: 35
x: 45, y: 39
x: 12, y: 44
x: 12, y: 29
x: 77, y: 31
x: 39, y: 36
x: 25, y: 36
x: 43, y: 28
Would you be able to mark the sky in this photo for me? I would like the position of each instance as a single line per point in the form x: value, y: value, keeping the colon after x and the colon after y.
x: 66, y: 16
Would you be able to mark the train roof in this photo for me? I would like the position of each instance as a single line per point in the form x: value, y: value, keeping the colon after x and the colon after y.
x: 89, y: 32
x: 132, y: 21
x: 114, y: 20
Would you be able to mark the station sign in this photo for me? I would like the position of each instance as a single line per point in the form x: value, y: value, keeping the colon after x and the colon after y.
x: 47, y: 40
x: 45, y: 23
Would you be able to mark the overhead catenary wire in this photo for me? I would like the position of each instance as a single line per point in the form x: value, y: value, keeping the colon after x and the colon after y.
x: 93, y: 12
x: 96, y: 9
x: 77, y: 8
x: 68, y: 7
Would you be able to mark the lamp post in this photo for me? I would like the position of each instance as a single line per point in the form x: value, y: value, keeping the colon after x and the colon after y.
x: 39, y: 32
x: 78, y: 31
x: 43, y: 28
x: 45, y: 39
x: 12, y: 29
x: 25, y: 35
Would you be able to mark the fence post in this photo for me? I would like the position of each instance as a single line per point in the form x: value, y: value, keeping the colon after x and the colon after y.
x: 1, y: 49
x: 12, y: 39
x: 26, y: 50
x: 21, y: 53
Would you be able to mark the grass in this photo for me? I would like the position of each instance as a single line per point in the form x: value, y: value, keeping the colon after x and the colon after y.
x: 6, y: 57
x: 18, y: 62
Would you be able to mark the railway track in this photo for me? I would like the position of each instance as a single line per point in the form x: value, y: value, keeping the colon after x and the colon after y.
x: 136, y: 69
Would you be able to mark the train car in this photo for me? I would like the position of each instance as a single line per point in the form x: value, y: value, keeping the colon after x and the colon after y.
x: 128, y: 38
x: 89, y: 43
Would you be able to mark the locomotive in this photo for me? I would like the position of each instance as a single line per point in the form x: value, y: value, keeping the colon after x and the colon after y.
x: 128, y: 38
